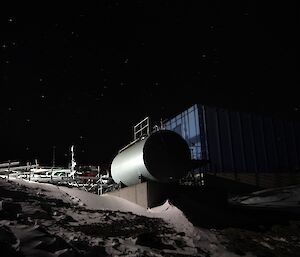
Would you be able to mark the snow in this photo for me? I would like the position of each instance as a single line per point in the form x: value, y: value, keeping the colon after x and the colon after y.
x: 167, y: 211
x: 271, y: 198
x: 83, y: 218
x: 50, y: 190
x: 102, y: 202
x: 174, y: 216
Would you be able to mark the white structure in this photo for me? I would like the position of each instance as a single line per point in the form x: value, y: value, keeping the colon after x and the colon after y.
x: 73, y: 162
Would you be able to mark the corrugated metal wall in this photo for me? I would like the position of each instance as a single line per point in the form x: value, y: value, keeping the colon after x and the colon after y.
x: 239, y: 142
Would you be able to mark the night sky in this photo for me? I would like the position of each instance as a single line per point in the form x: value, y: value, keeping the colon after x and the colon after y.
x: 85, y: 74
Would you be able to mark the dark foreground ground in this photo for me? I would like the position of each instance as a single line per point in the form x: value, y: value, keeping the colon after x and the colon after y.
x: 263, y: 232
x: 32, y: 224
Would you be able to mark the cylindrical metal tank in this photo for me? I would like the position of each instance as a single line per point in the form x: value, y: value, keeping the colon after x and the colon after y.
x: 163, y: 156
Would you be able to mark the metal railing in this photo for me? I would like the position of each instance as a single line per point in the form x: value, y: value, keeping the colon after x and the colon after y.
x: 142, y: 128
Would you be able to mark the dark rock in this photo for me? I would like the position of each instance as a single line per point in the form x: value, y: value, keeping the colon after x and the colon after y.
x: 8, y: 243
x: 8, y: 251
x: 7, y: 236
x: 69, y: 253
x: 41, y: 215
x: 69, y: 219
x: 46, y: 207
x: 11, y: 207
x: 65, y: 220
x: 180, y: 234
x: 96, y: 251
x: 180, y: 243
x: 152, y: 240
x: 55, y: 244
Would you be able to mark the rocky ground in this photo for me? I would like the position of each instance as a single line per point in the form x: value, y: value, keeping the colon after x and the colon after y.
x: 36, y: 223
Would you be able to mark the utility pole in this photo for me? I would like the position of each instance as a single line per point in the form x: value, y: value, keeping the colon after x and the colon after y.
x: 162, y: 126
x: 8, y: 170
x: 73, y: 162
x: 53, y: 157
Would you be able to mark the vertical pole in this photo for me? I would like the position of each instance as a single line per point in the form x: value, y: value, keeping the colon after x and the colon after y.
x: 53, y: 156
x: 29, y: 171
x: 73, y: 162
x: 8, y: 170
x: 29, y: 168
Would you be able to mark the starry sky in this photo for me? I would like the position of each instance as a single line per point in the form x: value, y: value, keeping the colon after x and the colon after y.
x: 85, y: 73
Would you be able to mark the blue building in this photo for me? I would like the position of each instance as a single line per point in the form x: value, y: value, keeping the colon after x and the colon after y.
x: 235, y: 141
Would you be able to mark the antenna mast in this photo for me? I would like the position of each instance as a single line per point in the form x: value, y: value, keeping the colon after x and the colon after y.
x: 73, y: 162
x: 53, y: 157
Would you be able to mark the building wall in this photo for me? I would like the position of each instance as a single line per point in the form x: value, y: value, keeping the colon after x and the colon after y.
x: 137, y: 194
x: 237, y: 141
x: 186, y: 124
x: 146, y: 194
x: 260, y: 180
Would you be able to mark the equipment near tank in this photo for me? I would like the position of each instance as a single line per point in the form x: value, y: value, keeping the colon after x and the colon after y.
x: 163, y: 156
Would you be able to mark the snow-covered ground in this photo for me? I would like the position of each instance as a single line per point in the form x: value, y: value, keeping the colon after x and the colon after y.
x: 284, y: 197
x: 49, y: 220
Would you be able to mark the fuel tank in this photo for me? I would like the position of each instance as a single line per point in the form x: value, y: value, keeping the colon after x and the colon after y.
x: 164, y: 156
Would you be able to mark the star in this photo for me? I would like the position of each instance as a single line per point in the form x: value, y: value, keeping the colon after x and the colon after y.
x: 10, y: 20
x: 73, y: 33
x: 4, y: 46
